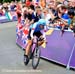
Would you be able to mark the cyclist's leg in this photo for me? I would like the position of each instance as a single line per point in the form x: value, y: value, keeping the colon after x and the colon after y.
x: 28, y: 44
x: 27, y: 50
x: 28, y: 47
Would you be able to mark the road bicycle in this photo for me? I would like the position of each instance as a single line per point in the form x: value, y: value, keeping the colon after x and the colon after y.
x: 35, y: 52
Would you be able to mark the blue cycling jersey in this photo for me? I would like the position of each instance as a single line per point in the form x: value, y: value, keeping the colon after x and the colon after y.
x: 35, y: 27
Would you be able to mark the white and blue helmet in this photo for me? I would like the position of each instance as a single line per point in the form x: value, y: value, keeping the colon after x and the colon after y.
x: 42, y: 22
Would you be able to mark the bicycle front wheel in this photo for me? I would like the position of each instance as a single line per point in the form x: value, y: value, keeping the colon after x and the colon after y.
x: 36, y: 57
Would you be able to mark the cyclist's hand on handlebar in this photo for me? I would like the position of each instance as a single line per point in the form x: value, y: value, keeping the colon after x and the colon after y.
x: 41, y: 38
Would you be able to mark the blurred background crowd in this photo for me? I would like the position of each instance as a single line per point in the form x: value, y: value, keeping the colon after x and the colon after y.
x: 57, y: 13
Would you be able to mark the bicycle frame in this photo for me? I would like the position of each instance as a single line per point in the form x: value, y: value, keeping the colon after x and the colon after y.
x: 34, y: 44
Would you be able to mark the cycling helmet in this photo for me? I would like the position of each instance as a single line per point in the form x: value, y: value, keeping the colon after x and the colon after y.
x: 42, y: 22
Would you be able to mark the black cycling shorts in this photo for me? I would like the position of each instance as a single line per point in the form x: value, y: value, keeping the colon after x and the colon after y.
x: 38, y: 34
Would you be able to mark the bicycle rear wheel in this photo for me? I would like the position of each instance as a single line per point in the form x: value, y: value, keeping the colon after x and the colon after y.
x: 36, y: 57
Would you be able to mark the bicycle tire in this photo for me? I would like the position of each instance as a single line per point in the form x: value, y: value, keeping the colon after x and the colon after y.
x: 36, y: 57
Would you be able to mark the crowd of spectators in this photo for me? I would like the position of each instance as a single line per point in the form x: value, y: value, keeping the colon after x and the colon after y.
x: 7, y: 7
x: 57, y: 13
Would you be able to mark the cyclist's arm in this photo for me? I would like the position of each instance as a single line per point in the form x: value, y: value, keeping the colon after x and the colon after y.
x: 44, y: 33
x: 32, y: 33
x: 33, y: 29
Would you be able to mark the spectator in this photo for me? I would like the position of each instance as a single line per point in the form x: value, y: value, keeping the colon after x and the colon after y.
x: 72, y: 17
x: 42, y: 3
x: 1, y: 11
x: 28, y: 3
x: 47, y: 16
x: 38, y: 13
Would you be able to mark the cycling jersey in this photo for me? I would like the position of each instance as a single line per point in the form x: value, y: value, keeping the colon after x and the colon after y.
x: 36, y: 29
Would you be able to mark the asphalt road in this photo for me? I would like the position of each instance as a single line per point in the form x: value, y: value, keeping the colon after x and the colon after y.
x: 11, y: 56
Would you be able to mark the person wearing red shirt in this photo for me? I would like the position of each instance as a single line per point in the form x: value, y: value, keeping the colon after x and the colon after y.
x: 18, y: 11
x: 28, y: 2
